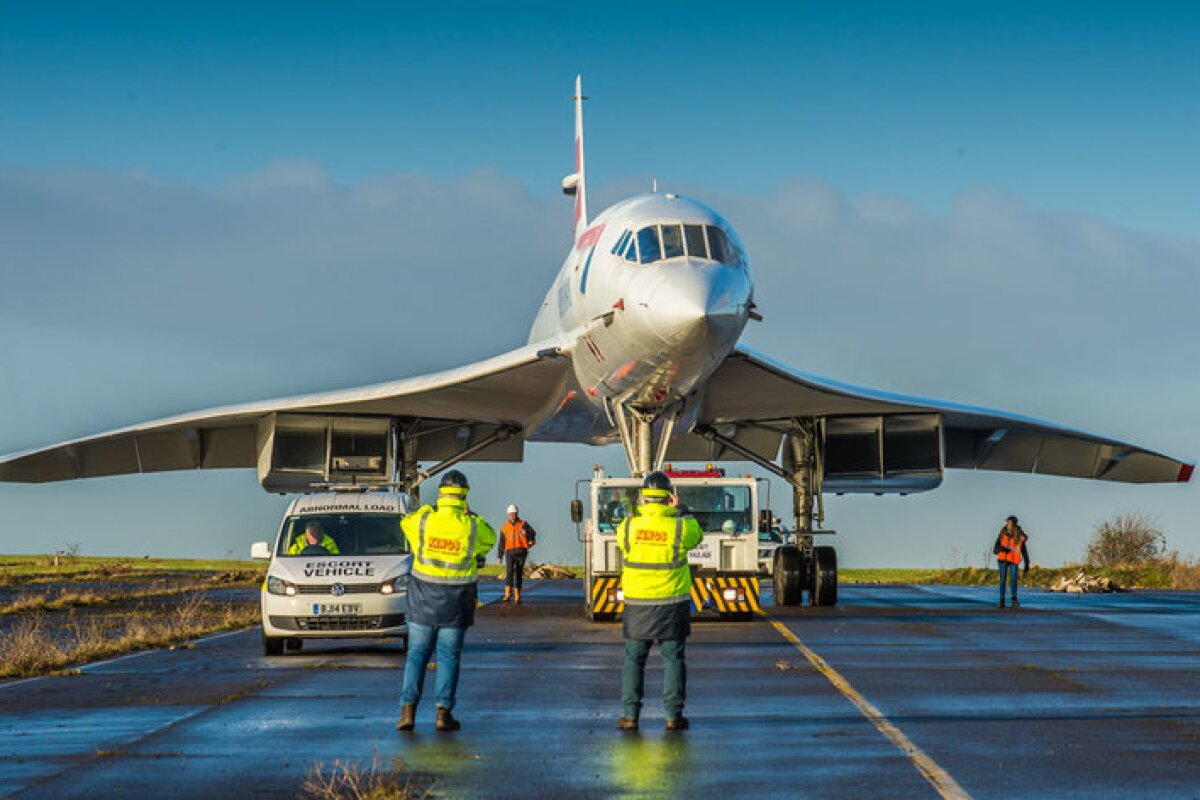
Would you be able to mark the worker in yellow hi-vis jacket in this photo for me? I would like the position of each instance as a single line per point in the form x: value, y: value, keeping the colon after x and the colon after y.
x: 656, y: 581
x: 446, y: 542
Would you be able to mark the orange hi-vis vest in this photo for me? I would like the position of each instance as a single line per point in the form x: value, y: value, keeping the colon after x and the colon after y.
x: 1013, y: 543
x: 514, y: 536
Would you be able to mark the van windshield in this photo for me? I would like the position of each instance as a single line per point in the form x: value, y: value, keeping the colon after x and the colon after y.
x: 342, y: 535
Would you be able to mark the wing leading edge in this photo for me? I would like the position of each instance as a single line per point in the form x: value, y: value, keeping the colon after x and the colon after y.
x: 751, y: 389
x: 447, y: 412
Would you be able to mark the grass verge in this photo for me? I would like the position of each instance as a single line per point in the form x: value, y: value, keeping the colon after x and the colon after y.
x: 76, y: 569
x: 351, y: 781
x: 33, y: 647
x: 1173, y: 572
x: 66, y: 599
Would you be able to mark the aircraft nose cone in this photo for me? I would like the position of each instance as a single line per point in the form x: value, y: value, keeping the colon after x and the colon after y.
x: 708, y: 303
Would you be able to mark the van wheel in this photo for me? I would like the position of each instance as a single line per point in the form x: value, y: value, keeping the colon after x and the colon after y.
x: 272, y: 645
x: 293, y: 644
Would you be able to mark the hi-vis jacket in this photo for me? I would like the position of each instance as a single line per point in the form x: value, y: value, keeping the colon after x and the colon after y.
x: 301, y: 542
x: 516, y: 537
x: 654, y: 547
x: 1010, y: 547
x: 445, y: 541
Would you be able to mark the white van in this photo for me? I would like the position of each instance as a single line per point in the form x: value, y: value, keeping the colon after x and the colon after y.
x: 348, y: 579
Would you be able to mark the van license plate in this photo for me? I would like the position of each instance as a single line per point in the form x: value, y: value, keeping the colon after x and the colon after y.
x: 333, y: 609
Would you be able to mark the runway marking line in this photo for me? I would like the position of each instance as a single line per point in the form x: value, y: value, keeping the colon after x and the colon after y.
x: 930, y: 770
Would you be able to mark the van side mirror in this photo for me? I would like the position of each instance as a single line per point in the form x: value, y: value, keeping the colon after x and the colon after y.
x: 577, y: 511
x: 766, y: 520
x: 260, y: 551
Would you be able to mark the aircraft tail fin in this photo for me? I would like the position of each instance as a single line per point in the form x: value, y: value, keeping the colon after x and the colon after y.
x: 575, y: 185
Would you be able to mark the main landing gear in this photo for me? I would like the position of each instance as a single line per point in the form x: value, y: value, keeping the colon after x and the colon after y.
x: 804, y: 567
x: 800, y: 569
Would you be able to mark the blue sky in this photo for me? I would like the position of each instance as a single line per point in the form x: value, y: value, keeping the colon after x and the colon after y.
x: 991, y: 202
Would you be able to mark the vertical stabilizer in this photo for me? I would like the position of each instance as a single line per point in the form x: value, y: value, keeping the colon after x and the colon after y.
x: 574, y: 184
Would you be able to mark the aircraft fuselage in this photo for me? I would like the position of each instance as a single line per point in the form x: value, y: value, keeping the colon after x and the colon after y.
x: 654, y: 296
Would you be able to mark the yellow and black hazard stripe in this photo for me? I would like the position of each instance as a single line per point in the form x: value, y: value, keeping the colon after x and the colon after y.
x: 732, y: 595
x: 606, y: 602
x: 728, y: 594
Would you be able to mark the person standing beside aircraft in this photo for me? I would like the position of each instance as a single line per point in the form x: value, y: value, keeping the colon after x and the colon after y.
x: 447, y: 545
x: 1010, y: 549
x: 656, y: 581
x: 516, y: 537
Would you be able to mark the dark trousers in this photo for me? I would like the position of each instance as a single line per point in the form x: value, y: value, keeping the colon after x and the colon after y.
x: 1011, y: 572
x: 633, y: 676
x: 514, y: 568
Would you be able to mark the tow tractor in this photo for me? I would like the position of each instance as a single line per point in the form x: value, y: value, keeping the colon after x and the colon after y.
x: 725, y: 578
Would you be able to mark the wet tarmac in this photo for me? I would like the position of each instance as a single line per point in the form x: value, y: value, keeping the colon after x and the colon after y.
x: 1069, y: 696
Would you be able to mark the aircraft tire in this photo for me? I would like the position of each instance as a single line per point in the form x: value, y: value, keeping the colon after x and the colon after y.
x: 824, y: 589
x: 788, y: 576
x: 272, y: 645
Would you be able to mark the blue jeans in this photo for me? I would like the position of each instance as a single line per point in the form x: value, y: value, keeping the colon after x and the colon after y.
x: 1007, y: 569
x: 421, y: 642
x: 633, y: 676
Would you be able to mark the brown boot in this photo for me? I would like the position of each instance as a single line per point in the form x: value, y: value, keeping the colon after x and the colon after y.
x: 679, y: 723
x: 517, y: 597
x: 507, y: 594
x: 446, y: 720
x: 627, y: 724
x: 408, y: 717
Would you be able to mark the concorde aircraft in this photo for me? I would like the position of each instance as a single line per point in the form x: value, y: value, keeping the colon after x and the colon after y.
x: 636, y: 342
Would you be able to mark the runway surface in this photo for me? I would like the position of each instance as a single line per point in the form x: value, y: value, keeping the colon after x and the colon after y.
x: 924, y: 691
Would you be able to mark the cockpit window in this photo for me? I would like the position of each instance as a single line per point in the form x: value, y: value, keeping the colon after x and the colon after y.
x: 694, y: 234
x: 620, y: 245
x: 631, y: 248
x: 656, y: 242
x: 648, y: 246
x: 672, y: 238
x: 719, y: 248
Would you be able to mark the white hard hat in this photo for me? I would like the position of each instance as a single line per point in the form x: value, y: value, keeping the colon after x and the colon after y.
x: 728, y: 526
x: 513, y: 510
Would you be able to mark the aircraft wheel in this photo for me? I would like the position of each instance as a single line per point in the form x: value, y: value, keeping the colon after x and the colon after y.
x: 292, y: 643
x: 824, y: 577
x: 272, y: 645
x: 788, y: 576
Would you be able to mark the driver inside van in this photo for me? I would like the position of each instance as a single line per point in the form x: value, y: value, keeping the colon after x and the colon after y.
x: 313, y: 537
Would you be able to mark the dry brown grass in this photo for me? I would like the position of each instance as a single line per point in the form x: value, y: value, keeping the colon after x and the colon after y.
x: 350, y: 781
x: 1182, y: 573
x: 33, y: 647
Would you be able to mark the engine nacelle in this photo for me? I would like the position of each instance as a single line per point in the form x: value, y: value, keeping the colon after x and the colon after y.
x: 892, y: 454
